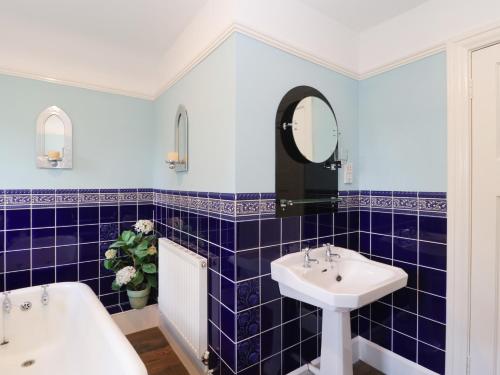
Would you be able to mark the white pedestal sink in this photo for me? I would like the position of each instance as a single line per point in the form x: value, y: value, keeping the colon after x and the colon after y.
x: 338, y: 285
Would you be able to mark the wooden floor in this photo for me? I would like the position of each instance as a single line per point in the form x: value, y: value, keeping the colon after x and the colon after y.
x: 160, y: 359
x: 156, y: 353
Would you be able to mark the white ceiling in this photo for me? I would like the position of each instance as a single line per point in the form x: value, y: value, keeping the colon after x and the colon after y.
x: 125, y: 46
x: 99, y: 42
x: 360, y: 15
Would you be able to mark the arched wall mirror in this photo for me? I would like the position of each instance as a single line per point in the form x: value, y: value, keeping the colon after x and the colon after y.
x: 306, y: 154
x: 54, y: 139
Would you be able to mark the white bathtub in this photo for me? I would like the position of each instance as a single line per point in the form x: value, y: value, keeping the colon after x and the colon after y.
x: 72, y: 335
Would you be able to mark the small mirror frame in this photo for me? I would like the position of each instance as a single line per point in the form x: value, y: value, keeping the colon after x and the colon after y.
x: 182, y: 164
x: 41, y: 159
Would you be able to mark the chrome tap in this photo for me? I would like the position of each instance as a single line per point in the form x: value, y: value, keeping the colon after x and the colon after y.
x: 330, y: 254
x: 308, y: 259
x: 45, y: 295
x: 6, y: 305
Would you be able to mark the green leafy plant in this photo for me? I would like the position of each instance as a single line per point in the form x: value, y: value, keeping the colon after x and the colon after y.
x: 133, y: 257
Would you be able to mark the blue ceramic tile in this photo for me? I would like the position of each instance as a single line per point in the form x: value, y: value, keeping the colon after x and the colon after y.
x: 88, y: 233
x: 228, y: 351
x: 432, y: 281
x: 43, y: 217
x: 214, y: 230
x: 270, y: 314
x: 108, y: 214
x: 43, y: 276
x: 309, y: 350
x: 68, y: 272
x: 340, y: 224
x: 325, y: 225
x: 44, y: 257
x: 432, y: 229
x: 16, y: 280
x: 405, y: 226
x: 309, y: 227
x: 381, y: 335
x: 17, y: 239
x: 340, y: 240
x: 364, y: 221
x: 291, y: 359
x: 128, y: 212
x: 247, y: 235
x: 17, y: 219
x: 405, y: 322
x: 381, y: 245
x: 88, y: 251
x: 406, y: 299
x: 66, y: 216
x: 364, y: 242
x: 432, y: 307
x: 214, y: 284
x: 43, y: 237
x: 228, y: 322
x: 353, y: 241
x: 88, y: 215
x: 66, y: 254
x: 271, y: 342
x: 248, y: 294
x: 308, y: 325
x: 17, y: 260
x: 109, y: 299
x: 269, y: 289
x: 364, y: 327
x: 353, y: 221
x: 227, y: 291
x: 381, y: 223
x: 214, y: 257
x: 227, y: 235
x: 267, y: 255
x: 228, y: 264
x: 405, y: 250
x: 248, y: 353
x: 88, y: 270
x: 292, y: 247
x: 291, y: 309
x: 145, y: 212
x: 271, y: 366
x: 214, y: 311
x: 412, y: 272
x: 247, y: 264
x: 203, y: 227
x: 213, y: 342
x: 248, y: 323
x: 381, y: 313
x: 270, y: 232
x: 291, y: 333
x: 431, y: 358
x: 405, y: 346
x: 431, y: 332
x: 432, y: 254
x: 290, y: 229
x: 66, y: 235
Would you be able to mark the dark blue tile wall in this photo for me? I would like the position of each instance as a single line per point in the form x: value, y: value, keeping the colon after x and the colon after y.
x: 253, y: 330
x: 51, y: 236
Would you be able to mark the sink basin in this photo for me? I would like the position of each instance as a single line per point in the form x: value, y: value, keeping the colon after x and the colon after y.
x: 361, y: 280
x: 345, y: 282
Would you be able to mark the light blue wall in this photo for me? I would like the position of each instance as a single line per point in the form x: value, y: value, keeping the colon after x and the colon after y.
x: 264, y: 75
x: 208, y: 93
x: 402, y: 128
x: 111, y: 137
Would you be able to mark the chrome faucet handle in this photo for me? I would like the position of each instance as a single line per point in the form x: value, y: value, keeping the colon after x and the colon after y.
x: 45, y: 295
x: 6, y: 304
x: 330, y: 254
x: 307, y: 258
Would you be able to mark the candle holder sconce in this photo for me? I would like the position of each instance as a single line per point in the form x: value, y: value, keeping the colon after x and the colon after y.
x: 178, y: 159
x: 54, y: 134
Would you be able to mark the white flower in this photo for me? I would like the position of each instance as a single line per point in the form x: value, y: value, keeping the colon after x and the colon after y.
x: 144, y: 226
x: 110, y: 254
x: 124, y: 275
x: 152, y: 250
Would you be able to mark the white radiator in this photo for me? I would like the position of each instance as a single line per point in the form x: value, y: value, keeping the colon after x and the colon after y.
x: 182, y: 293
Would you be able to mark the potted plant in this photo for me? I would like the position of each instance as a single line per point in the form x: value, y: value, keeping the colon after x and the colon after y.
x: 133, y: 257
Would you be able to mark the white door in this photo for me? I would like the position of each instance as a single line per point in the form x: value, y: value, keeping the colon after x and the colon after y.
x: 484, y: 325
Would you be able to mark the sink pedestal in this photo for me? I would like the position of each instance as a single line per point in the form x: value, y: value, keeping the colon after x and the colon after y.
x: 336, y: 344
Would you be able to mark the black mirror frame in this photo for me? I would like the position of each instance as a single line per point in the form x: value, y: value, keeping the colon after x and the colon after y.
x: 297, y: 178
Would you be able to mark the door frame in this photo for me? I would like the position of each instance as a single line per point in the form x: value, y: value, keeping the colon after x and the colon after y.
x: 458, y: 295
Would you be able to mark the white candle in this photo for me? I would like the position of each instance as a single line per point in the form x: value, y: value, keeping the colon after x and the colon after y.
x: 54, y: 155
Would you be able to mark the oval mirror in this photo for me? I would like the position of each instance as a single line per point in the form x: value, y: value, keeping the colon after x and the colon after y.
x: 53, y: 131
x: 315, y: 129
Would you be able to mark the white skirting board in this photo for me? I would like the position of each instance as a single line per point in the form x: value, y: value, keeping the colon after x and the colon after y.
x: 378, y: 357
x: 137, y: 320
